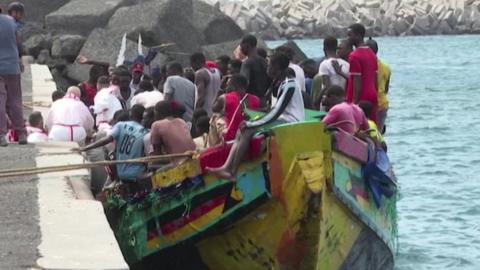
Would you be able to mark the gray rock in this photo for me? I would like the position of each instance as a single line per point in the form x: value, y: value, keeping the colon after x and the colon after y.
x: 36, y: 43
x: 299, y: 54
x: 43, y: 57
x: 60, y: 80
x: 166, y: 21
x: 67, y: 46
x: 82, y: 16
x: 215, y: 26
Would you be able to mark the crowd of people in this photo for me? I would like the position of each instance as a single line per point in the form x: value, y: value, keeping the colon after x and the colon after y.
x: 173, y: 109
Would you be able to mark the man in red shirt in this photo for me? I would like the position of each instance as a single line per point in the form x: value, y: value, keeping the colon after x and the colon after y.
x: 362, y: 79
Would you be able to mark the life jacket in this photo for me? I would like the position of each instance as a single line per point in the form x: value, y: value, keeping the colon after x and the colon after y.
x: 234, y: 114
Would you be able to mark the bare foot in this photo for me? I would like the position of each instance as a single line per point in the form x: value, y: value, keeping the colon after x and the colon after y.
x: 221, y: 173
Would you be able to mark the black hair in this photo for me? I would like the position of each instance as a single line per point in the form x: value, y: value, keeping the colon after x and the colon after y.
x: 197, y: 58
x: 57, y: 94
x: 286, y: 51
x: 366, y: 107
x: 224, y: 59
x: 262, y: 53
x: 178, y: 109
x: 136, y: 112
x: 35, y: 119
x: 279, y: 60
x: 336, y: 91
x: 121, y: 72
x: 163, y: 109
x: 235, y: 63
x: 16, y: 6
x: 202, y: 125
x: 145, y: 86
x: 358, y: 29
x: 239, y: 82
x: 96, y: 71
x: 330, y: 43
x: 103, y: 80
x: 189, y: 74
x: 250, y: 40
x: 175, y: 66
x: 121, y: 116
x: 372, y: 44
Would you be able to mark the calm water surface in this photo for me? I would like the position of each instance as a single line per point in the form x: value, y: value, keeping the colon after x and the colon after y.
x: 434, y: 141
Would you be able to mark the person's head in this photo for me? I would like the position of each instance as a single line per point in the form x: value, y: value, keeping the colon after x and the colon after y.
x: 234, y: 66
x: 238, y: 83
x: 262, y: 53
x: 74, y: 91
x: 222, y: 64
x: 202, y: 125
x: 120, y: 116
x: 102, y: 82
x: 197, y: 61
x: 121, y: 78
x: 96, y: 71
x: 136, y: 113
x: 145, y: 86
x: 366, y: 107
x: 57, y: 94
x: 248, y: 45
x: 287, y: 51
x: 277, y: 65
x: 16, y: 10
x: 344, y: 49
x: 174, y: 69
x: 163, y: 109
x: 137, y: 72
x: 330, y: 46
x: 148, y: 117
x: 356, y: 34
x: 189, y: 74
x: 36, y: 120
x: 372, y: 44
x: 310, y: 68
x: 333, y: 96
x: 178, y: 109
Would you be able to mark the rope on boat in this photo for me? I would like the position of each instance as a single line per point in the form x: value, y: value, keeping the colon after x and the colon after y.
x: 72, y: 167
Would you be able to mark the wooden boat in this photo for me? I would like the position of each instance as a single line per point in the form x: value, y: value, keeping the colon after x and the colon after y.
x: 299, y: 203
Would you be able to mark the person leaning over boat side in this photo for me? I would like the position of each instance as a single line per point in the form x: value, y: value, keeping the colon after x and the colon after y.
x: 179, y: 89
x: 288, y: 109
x: 343, y: 115
x: 69, y: 119
x: 254, y: 68
x: 170, y: 135
x: 362, y: 81
x: 10, y: 86
x: 205, y: 82
x: 129, y: 140
x: 383, y: 84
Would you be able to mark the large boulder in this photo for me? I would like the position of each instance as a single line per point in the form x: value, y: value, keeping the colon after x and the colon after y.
x: 82, y: 16
x: 33, y: 45
x: 103, y: 46
x: 159, y: 22
x: 67, y: 46
x: 215, y: 26
x: 299, y: 54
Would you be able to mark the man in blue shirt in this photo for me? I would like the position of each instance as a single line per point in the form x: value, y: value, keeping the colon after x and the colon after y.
x: 128, y: 137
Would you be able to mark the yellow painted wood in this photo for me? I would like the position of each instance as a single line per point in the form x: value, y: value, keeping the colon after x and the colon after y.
x: 190, y: 168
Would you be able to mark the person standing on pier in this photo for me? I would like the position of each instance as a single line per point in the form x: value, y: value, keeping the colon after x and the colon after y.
x: 362, y: 81
x: 10, y: 87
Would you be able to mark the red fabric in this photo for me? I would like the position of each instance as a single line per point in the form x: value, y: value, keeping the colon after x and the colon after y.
x: 364, y: 62
x: 234, y: 114
x: 216, y: 156
x: 90, y: 92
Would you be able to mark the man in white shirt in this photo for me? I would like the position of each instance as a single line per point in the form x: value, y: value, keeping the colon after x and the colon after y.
x: 299, y: 73
x: 149, y: 97
x: 327, y: 70
x: 69, y: 119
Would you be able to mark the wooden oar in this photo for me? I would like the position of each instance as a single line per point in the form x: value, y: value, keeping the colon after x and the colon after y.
x: 71, y: 167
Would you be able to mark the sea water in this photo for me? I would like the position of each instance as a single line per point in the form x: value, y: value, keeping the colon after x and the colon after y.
x: 433, y: 137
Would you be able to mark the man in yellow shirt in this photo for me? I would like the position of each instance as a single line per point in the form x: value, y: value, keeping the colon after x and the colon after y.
x: 383, y: 82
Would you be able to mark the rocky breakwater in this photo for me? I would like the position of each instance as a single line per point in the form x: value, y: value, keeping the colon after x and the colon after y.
x: 95, y: 29
x: 275, y: 19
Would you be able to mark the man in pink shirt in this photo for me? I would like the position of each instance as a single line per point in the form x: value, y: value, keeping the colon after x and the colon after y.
x: 343, y: 115
x: 362, y: 81
x: 69, y: 119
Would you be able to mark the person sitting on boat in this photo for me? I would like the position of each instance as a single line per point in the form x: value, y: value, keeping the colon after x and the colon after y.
x: 170, y: 134
x: 35, y: 130
x: 128, y: 137
x: 288, y: 109
x: 69, y: 119
x: 228, y: 105
x: 343, y: 115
